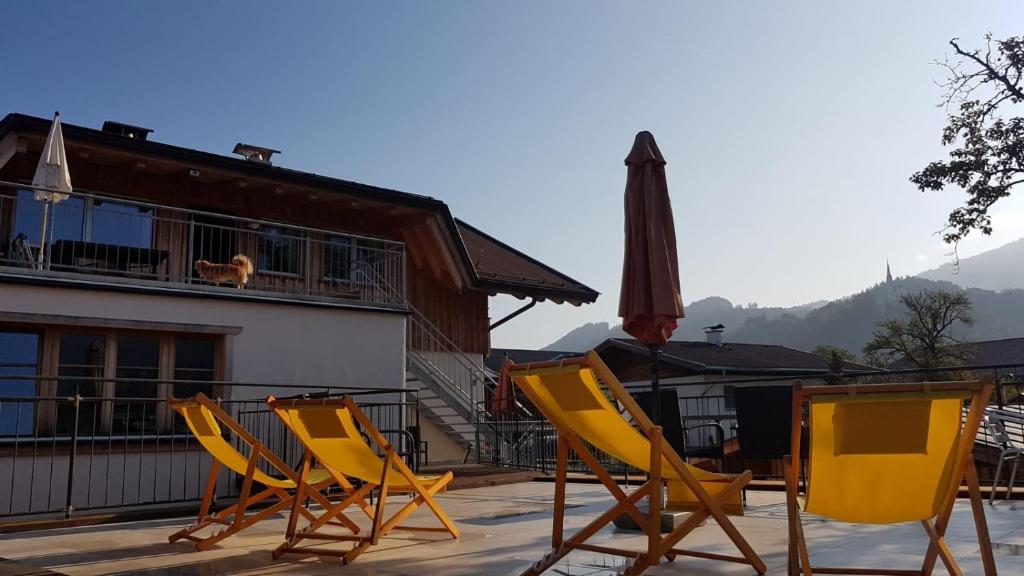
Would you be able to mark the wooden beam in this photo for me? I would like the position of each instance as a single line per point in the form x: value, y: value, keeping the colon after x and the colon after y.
x: 450, y: 264
x: 10, y: 146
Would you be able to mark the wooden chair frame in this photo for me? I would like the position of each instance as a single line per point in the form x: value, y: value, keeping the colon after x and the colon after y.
x: 938, y: 547
x: 380, y: 526
x: 657, y: 545
x: 234, y: 518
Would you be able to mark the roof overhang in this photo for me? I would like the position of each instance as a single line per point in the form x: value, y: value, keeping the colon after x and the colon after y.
x: 441, y: 228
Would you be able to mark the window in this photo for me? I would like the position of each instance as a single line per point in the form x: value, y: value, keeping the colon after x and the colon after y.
x: 67, y: 222
x: 194, y: 361
x: 19, y: 356
x: 729, y: 397
x: 88, y: 219
x: 120, y: 377
x: 81, y: 365
x: 138, y: 358
x: 279, y: 250
x: 121, y: 224
x: 338, y: 258
x: 349, y: 259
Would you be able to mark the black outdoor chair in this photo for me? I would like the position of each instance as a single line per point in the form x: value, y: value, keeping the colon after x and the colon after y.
x: 763, y: 422
x: 677, y: 434
x: 20, y: 253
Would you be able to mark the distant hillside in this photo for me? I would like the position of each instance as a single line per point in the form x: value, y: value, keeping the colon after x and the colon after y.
x: 847, y: 323
x: 701, y: 313
x: 998, y: 269
x: 586, y: 337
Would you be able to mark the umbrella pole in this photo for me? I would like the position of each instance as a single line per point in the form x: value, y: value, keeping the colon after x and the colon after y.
x: 42, y: 236
x: 655, y: 387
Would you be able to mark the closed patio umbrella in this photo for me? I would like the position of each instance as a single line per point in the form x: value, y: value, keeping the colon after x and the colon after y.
x: 649, y: 302
x: 52, y: 180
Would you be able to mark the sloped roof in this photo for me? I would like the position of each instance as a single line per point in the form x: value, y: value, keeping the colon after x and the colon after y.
x: 1005, y: 351
x: 502, y: 268
x: 986, y: 352
x: 688, y: 358
x: 494, y: 360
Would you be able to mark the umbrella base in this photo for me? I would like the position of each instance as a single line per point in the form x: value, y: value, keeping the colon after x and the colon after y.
x: 670, y: 520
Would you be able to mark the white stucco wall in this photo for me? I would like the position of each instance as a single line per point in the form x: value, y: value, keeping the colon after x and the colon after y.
x: 278, y: 343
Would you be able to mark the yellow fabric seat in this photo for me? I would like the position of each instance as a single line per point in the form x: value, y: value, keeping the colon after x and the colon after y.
x: 887, y: 454
x: 204, y: 418
x: 204, y: 427
x: 568, y: 394
x: 574, y: 395
x: 327, y: 428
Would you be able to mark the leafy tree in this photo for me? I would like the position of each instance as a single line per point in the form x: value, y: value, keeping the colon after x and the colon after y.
x: 837, y: 360
x: 988, y: 160
x: 924, y: 337
x: 829, y: 351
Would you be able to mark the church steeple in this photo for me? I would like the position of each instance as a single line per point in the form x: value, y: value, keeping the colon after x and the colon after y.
x: 888, y: 272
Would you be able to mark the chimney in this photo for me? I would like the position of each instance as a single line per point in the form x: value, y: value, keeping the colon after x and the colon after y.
x: 714, y: 334
x: 126, y: 130
x: 255, y: 153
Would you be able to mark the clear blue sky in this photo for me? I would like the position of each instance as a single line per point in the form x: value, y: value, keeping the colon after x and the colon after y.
x: 790, y: 128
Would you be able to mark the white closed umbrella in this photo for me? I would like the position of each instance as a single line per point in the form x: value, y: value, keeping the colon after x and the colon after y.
x: 52, y: 181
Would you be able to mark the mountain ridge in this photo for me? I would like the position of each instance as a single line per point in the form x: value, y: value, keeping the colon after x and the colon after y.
x: 848, y: 322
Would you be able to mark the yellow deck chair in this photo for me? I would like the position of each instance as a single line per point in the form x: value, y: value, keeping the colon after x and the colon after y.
x: 328, y: 430
x: 884, y: 454
x: 204, y: 418
x: 567, y: 393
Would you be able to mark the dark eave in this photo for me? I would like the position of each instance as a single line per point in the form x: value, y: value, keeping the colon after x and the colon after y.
x: 30, y: 124
x: 519, y: 274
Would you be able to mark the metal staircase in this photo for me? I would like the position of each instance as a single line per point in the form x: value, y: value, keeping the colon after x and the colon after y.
x: 451, y: 385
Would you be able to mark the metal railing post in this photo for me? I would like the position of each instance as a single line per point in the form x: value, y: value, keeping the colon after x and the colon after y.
x: 68, y: 506
x: 308, y: 271
x: 476, y: 431
x: 190, y: 257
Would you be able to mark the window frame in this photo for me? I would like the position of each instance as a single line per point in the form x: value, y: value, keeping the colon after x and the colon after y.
x: 48, y: 367
x: 328, y: 241
x: 38, y: 369
x: 300, y: 238
x: 89, y: 209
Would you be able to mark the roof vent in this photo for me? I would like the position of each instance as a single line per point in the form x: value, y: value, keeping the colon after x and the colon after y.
x: 714, y: 334
x: 126, y: 130
x: 255, y: 153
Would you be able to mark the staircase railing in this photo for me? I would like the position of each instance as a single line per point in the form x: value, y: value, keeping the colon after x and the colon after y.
x: 431, y: 355
x: 447, y: 364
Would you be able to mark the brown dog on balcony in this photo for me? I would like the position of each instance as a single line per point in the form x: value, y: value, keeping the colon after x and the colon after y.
x: 237, y: 272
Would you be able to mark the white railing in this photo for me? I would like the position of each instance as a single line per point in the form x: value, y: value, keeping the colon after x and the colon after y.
x: 121, y: 240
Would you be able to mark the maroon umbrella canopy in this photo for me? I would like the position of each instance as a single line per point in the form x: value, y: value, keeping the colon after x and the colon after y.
x: 649, y: 302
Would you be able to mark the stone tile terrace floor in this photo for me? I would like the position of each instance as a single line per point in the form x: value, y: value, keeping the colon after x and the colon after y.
x: 504, y: 530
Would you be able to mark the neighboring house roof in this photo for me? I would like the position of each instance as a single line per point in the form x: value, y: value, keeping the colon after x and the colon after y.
x: 986, y: 352
x: 494, y: 360
x: 508, y: 270
x: 630, y: 359
x: 480, y: 255
x: 1005, y: 351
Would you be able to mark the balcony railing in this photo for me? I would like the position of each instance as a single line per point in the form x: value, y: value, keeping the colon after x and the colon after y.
x: 62, y: 455
x: 93, y: 237
x: 519, y: 439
